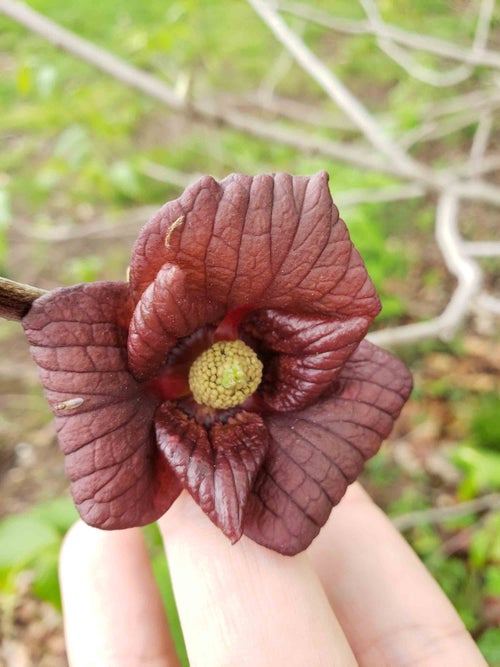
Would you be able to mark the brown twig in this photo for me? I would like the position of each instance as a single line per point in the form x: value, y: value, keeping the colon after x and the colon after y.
x: 439, y: 47
x: 441, y: 514
x: 16, y: 298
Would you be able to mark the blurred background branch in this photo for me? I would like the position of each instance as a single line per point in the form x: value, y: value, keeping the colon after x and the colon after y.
x: 441, y: 514
x: 477, y: 55
x: 392, y: 157
x: 110, y: 109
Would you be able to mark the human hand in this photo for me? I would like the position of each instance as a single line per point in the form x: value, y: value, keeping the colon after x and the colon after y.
x: 357, y: 596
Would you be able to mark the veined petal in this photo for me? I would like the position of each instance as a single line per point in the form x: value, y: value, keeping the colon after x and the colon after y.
x: 316, y: 452
x: 167, y: 310
x: 271, y: 241
x: 105, y: 427
x: 303, y: 355
x: 217, y: 465
x: 197, y: 207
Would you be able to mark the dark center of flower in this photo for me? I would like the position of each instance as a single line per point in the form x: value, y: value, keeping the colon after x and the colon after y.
x: 225, y: 375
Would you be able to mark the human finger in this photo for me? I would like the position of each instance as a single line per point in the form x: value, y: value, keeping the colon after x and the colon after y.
x: 392, y: 611
x: 243, y: 604
x: 113, y: 612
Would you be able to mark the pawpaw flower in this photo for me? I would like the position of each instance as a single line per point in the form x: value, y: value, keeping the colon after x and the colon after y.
x: 232, y: 364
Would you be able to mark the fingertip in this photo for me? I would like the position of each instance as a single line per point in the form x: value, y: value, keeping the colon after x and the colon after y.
x: 113, y: 612
x: 83, y: 542
x: 389, y: 606
x: 243, y: 604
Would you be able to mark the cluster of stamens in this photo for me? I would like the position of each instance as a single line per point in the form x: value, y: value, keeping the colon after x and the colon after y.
x: 225, y: 375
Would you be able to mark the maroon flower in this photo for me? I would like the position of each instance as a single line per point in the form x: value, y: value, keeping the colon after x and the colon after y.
x: 232, y: 364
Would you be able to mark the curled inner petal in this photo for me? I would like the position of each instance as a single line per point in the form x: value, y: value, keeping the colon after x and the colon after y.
x: 166, y: 312
x: 303, y: 355
x: 217, y: 465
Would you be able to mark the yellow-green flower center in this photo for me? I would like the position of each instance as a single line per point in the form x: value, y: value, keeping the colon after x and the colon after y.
x: 225, y: 375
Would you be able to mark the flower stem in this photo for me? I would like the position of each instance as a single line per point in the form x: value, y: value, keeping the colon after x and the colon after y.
x: 16, y: 298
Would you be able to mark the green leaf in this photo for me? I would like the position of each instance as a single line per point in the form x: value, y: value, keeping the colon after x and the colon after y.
x: 124, y: 178
x: 153, y: 539
x: 425, y: 540
x: 489, y: 645
x: 23, y: 537
x: 46, y: 578
x: 32, y: 540
x: 8, y: 582
x: 482, y: 469
x: 5, y: 221
x: 24, y: 79
x: 485, y: 543
x: 162, y: 576
x: 59, y: 513
x: 460, y: 584
x: 492, y: 581
x: 485, y: 424
x: 85, y: 269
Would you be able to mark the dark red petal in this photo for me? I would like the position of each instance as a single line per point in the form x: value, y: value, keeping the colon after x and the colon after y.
x: 104, y: 423
x: 315, y: 453
x: 198, y: 203
x: 166, y: 311
x: 271, y: 241
x: 217, y: 465
x: 303, y: 355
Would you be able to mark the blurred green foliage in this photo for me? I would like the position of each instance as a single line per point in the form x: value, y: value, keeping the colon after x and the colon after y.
x: 471, y: 577
x: 5, y: 220
x: 77, y: 137
x: 75, y: 149
x: 481, y: 470
x: 162, y: 576
x: 485, y: 423
x: 479, y: 455
x: 32, y: 541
